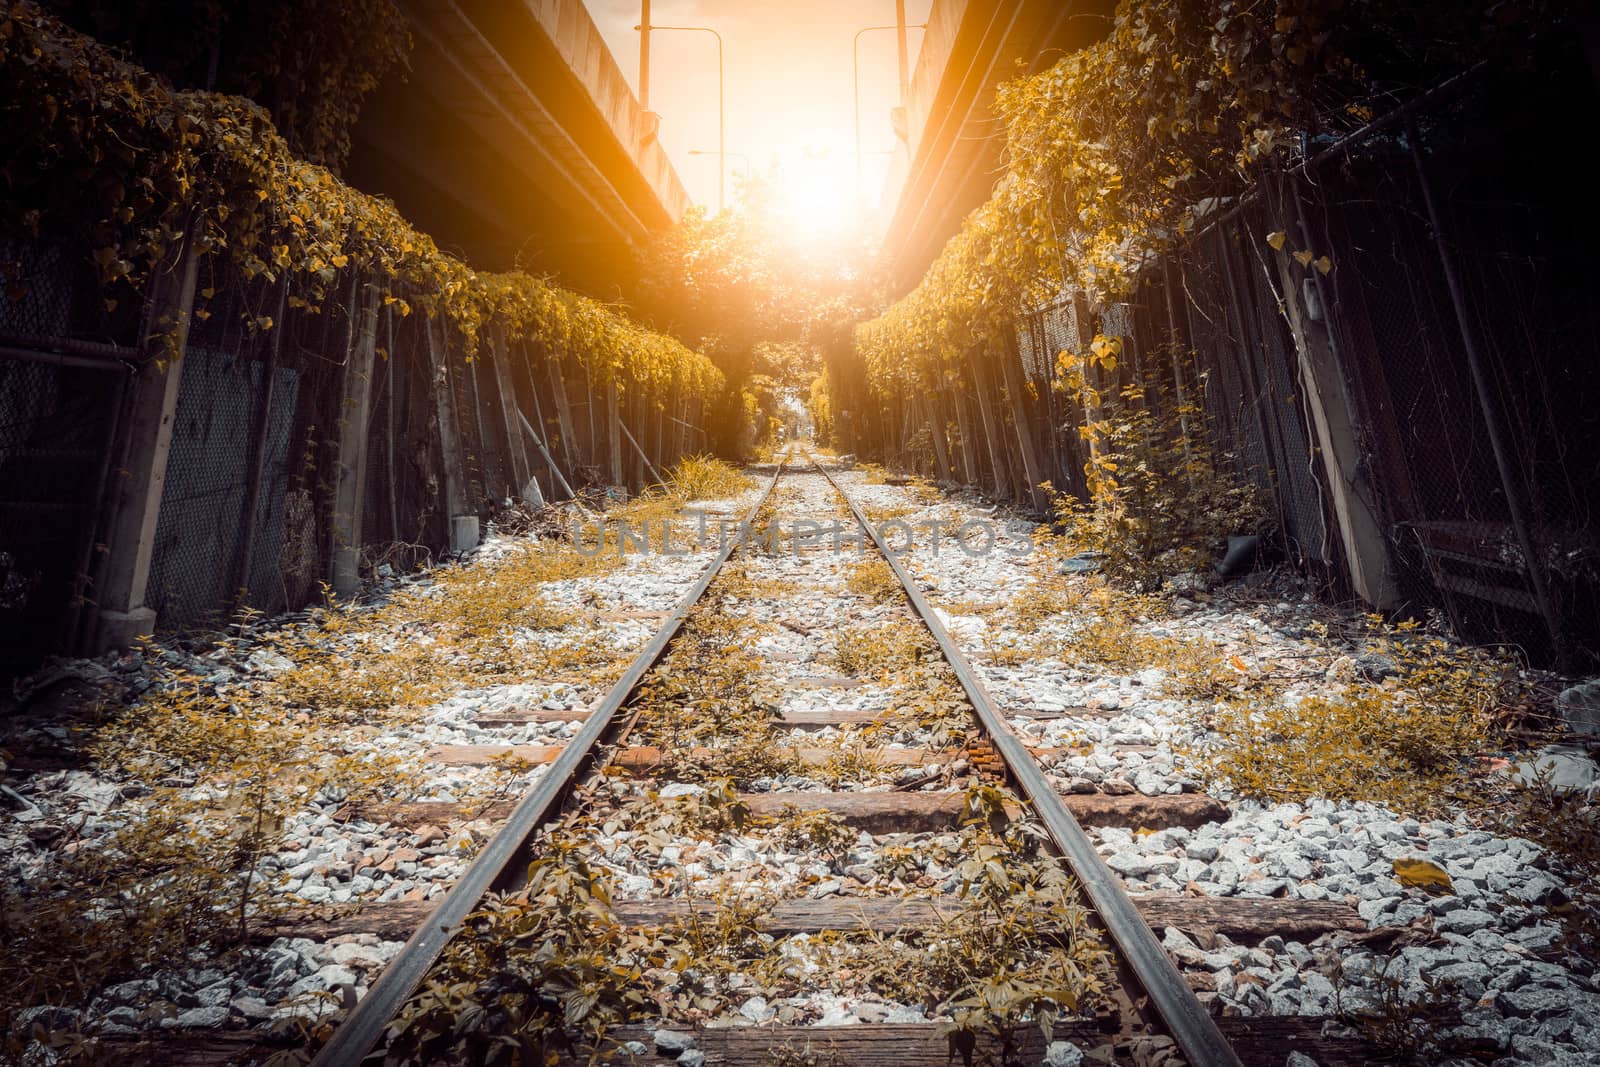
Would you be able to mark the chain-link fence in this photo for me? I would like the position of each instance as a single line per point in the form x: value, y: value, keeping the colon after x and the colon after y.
x: 58, y: 413
x: 1462, y: 308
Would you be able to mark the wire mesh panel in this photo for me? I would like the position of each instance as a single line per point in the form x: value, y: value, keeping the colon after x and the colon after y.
x: 1479, y: 402
x: 403, y: 519
x: 55, y: 423
x: 57, y: 415
x: 48, y: 292
x: 202, y: 520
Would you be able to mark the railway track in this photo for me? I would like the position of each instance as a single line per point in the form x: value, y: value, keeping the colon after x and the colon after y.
x: 881, y: 774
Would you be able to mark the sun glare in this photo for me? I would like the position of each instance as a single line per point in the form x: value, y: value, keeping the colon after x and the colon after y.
x: 816, y: 199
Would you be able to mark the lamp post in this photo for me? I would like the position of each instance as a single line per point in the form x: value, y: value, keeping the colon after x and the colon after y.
x: 644, y: 91
x: 736, y: 155
x: 855, y: 71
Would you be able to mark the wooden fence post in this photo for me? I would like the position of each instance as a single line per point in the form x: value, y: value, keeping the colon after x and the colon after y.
x: 969, y: 452
x: 991, y: 432
x: 558, y: 390
x: 150, y: 406
x: 1022, y: 418
x: 936, y: 431
x: 350, y: 475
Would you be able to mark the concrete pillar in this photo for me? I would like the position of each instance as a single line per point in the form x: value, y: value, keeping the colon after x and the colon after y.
x: 1355, y: 508
x: 1022, y: 419
x: 350, y: 476
x: 463, y: 521
x: 614, y: 433
x: 503, y: 404
x: 135, y: 497
x: 998, y: 476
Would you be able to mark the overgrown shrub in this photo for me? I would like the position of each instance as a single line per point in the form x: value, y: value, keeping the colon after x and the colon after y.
x: 1409, y: 741
x: 1161, y: 503
x: 703, y: 477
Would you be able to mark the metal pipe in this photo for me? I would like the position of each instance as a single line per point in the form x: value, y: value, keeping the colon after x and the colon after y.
x: 545, y: 452
x: 122, y: 364
x: 855, y: 76
x: 644, y: 55
x: 722, y: 125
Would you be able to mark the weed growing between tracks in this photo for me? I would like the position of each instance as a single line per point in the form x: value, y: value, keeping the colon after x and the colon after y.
x: 1410, y: 740
x: 875, y: 580
x: 549, y: 969
x: 881, y: 650
x: 704, y: 694
x: 211, y: 765
x: 706, y: 478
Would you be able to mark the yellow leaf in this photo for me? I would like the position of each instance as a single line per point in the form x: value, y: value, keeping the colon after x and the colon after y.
x: 1275, y: 239
x: 1324, y: 264
x: 1421, y: 874
x: 208, y: 292
x: 340, y: 261
x: 1303, y: 258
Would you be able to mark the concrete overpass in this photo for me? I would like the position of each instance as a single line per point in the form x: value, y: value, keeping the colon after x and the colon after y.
x: 951, y: 156
x: 515, y: 141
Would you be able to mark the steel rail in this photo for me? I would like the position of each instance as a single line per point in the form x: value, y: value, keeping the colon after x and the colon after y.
x: 494, y: 867
x: 1186, y: 1019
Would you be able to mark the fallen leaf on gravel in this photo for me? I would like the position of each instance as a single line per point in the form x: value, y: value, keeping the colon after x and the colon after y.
x: 1420, y: 874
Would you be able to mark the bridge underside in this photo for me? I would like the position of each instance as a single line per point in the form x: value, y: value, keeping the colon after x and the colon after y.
x: 954, y: 152
x: 515, y: 141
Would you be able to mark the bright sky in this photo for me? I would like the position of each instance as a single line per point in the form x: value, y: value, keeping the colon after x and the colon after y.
x: 788, y: 94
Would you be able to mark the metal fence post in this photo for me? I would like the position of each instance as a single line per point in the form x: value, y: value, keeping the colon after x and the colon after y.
x: 614, y: 433
x: 504, y: 402
x: 250, y: 514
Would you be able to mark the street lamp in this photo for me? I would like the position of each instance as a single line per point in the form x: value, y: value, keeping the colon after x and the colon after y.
x: 855, y: 69
x: 737, y: 155
x: 644, y: 73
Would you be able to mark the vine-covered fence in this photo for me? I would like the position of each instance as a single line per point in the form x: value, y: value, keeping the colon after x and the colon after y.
x: 1390, y: 335
x: 227, y: 378
x: 331, y: 445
